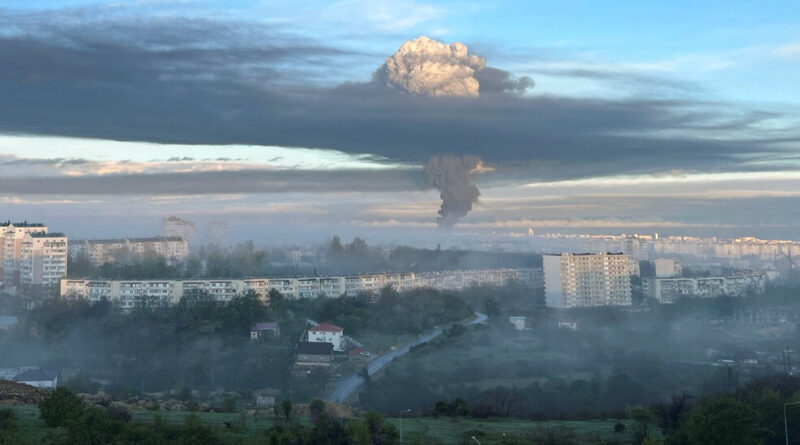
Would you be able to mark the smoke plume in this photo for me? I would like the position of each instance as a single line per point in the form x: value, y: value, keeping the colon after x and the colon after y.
x: 453, y: 176
x: 428, y: 68
x: 425, y: 67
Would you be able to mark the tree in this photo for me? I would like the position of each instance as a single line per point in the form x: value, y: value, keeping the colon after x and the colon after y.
x: 61, y: 407
x: 722, y: 420
x: 644, y: 419
x: 372, y: 429
x: 286, y: 408
x: 491, y: 307
x: 94, y: 426
x: 329, y: 431
x: 316, y: 409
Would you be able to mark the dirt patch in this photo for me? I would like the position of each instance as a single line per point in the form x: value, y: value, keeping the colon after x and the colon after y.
x: 13, y: 393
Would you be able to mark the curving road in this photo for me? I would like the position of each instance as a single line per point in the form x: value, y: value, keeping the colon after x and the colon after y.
x: 347, y: 386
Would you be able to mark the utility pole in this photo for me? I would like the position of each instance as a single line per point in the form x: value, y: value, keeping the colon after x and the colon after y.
x: 785, y: 422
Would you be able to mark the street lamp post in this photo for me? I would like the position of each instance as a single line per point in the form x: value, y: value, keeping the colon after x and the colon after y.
x: 785, y: 423
x: 401, y: 424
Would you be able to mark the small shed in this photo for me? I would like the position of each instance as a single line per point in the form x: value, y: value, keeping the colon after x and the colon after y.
x: 266, y: 328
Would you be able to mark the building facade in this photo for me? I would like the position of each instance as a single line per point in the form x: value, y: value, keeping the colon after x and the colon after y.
x: 43, y: 264
x: 174, y: 226
x: 129, y: 293
x: 174, y: 249
x: 328, y: 333
x: 587, y: 280
x: 668, y: 267
x: 12, y: 235
x: 670, y: 290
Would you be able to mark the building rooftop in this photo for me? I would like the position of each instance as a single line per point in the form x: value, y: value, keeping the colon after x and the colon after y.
x: 35, y: 375
x: 132, y: 240
x: 326, y: 327
x: 265, y: 327
x: 47, y: 235
x: 27, y: 224
x: 314, y: 348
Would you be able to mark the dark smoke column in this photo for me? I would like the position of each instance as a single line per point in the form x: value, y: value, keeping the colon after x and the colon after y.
x: 453, y: 176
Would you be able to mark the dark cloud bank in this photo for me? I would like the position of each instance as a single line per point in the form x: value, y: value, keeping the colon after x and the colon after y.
x: 189, y: 81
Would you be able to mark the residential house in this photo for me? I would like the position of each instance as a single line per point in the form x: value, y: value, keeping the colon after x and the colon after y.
x: 328, y: 333
x: 38, y: 378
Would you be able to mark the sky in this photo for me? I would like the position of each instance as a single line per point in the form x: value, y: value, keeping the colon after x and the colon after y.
x: 294, y: 120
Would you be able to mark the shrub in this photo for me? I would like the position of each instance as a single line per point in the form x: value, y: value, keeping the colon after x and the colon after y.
x: 60, y: 407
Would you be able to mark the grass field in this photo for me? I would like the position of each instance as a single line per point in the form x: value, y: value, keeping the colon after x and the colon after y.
x: 423, y: 430
x: 428, y: 430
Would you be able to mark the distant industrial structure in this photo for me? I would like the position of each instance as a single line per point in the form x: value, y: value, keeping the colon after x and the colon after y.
x: 587, y: 280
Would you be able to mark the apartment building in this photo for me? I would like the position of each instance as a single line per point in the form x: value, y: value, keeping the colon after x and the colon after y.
x: 587, y: 280
x: 670, y: 290
x: 12, y: 235
x: 127, y: 293
x: 42, y: 264
x: 174, y: 226
x: 668, y: 267
x: 460, y: 279
x: 99, y: 251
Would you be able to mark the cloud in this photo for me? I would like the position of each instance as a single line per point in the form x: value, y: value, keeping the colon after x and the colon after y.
x: 220, y: 182
x: 188, y: 81
x: 385, y: 15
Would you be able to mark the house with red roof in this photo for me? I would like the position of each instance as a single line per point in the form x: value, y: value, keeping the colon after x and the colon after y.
x: 328, y: 333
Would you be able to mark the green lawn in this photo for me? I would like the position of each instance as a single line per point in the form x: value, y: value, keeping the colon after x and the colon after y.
x: 443, y: 430
x: 377, y: 343
x: 422, y: 430
x: 31, y: 427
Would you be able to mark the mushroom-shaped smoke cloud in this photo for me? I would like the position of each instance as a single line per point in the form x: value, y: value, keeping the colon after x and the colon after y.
x: 453, y: 176
x: 426, y: 67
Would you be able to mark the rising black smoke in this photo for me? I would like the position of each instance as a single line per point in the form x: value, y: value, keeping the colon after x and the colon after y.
x: 453, y: 177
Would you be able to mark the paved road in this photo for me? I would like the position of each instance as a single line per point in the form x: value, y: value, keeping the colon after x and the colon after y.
x: 346, y: 387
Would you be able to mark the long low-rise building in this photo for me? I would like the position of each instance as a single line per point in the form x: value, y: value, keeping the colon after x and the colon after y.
x: 99, y: 251
x: 669, y: 290
x: 129, y: 293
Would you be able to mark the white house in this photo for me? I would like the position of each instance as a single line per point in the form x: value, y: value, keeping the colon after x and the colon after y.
x: 328, y: 333
x: 38, y: 378
x: 518, y: 322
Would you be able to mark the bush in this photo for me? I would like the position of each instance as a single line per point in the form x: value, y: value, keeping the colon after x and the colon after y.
x: 61, y: 407
x: 8, y: 420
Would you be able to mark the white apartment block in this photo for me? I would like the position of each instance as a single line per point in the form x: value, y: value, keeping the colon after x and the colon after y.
x: 173, y: 248
x: 669, y: 290
x: 12, y: 235
x: 668, y: 268
x: 587, y: 280
x: 42, y: 265
x: 174, y: 226
x: 129, y: 293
